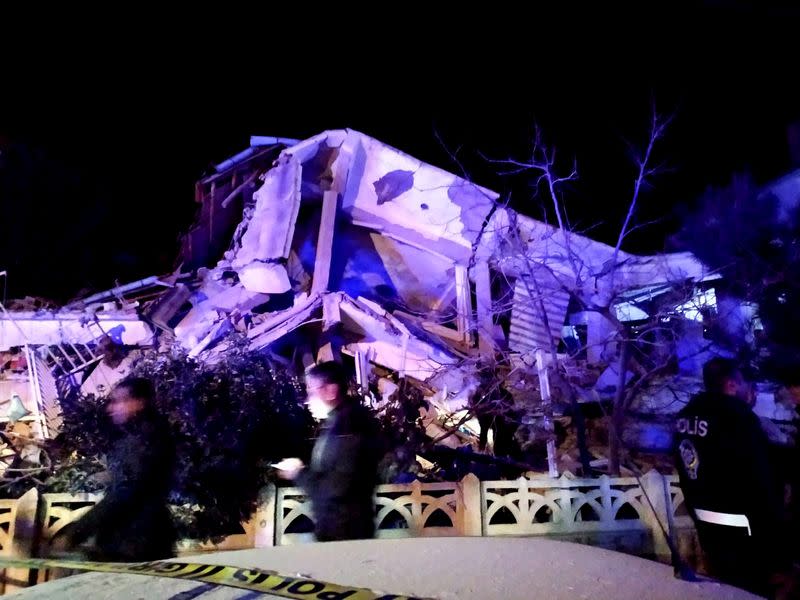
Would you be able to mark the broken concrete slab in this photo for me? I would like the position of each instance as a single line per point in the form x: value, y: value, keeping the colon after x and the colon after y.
x: 456, y: 388
x: 265, y: 277
x: 389, y: 344
x: 51, y: 328
x: 236, y: 298
x: 279, y: 324
x: 396, y: 193
x: 103, y: 378
x: 224, y: 300
x: 269, y: 232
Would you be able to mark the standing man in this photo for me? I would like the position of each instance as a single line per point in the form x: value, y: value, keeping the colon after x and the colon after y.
x: 340, y: 481
x: 727, y: 479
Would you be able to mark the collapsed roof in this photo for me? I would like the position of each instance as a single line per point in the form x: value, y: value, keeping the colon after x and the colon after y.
x: 342, y: 244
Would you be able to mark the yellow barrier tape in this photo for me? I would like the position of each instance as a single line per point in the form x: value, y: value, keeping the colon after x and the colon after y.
x: 257, y: 580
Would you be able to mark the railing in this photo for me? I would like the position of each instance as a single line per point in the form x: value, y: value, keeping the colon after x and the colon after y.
x: 618, y: 513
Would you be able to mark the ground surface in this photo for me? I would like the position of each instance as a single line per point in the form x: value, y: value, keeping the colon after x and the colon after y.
x: 443, y: 568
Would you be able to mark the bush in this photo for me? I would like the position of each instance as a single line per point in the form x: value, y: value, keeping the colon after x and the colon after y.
x: 229, y: 419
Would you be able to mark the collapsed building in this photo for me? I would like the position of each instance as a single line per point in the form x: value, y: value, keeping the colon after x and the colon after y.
x: 341, y: 246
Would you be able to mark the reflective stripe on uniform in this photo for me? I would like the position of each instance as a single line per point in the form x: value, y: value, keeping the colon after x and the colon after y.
x: 719, y: 518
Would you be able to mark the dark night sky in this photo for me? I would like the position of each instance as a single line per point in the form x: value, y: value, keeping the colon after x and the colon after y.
x: 102, y: 139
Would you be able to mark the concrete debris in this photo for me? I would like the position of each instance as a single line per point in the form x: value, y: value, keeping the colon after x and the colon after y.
x: 341, y: 245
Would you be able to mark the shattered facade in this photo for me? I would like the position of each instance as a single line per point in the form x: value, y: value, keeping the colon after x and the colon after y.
x: 341, y: 245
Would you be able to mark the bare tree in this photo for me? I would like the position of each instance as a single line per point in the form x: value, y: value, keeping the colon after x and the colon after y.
x: 594, y: 287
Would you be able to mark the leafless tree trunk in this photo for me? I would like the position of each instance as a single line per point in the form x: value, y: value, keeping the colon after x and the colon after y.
x: 543, y: 162
x: 617, y: 421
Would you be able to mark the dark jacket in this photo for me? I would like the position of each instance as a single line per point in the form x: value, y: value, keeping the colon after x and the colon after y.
x: 723, y: 459
x: 132, y: 522
x: 340, y: 479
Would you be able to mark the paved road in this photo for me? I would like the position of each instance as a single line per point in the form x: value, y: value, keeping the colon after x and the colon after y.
x: 443, y: 568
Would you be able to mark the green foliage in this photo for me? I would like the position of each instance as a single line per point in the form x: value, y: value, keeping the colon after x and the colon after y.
x: 404, y: 436
x: 229, y: 420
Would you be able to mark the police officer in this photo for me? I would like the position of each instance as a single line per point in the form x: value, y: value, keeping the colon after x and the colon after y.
x: 727, y: 479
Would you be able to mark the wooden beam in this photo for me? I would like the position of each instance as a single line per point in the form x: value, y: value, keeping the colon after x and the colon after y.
x: 483, y: 297
x: 331, y: 346
x: 238, y: 189
x: 322, y: 261
x: 463, y: 302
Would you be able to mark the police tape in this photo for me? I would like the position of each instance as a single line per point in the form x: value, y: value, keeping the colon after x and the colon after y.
x: 251, y: 579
